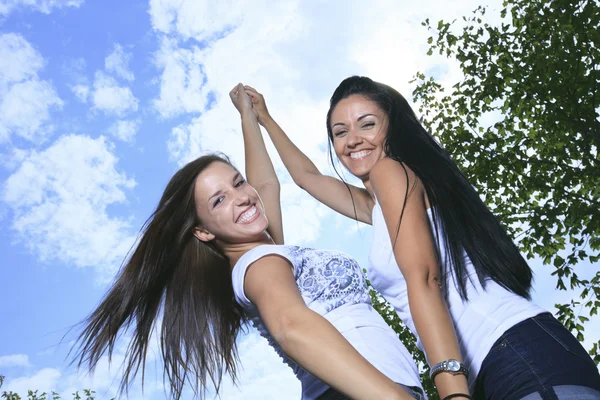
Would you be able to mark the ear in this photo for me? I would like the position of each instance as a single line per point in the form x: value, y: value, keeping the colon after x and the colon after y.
x: 202, y: 234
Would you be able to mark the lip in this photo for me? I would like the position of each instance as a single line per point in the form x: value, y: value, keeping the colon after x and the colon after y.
x: 254, y: 217
x: 367, y: 151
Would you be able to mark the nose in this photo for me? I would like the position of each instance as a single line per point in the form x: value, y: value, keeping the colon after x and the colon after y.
x: 353, y: 138
x: 242, y: 198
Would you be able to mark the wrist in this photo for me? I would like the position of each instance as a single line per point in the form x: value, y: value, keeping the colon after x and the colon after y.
x: 247, y: 114
x: 447, y: 384
x: 266, y: 120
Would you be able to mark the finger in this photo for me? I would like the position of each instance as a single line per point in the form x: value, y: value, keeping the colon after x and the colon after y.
x: 250, y: 88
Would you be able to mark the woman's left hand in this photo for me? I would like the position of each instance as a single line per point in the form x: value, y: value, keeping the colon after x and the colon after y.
x: 241, y: 100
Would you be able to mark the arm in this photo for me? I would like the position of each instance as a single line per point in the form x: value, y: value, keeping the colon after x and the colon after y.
x: 415, y: 254
x: 328, y: 190
x: 308, y: 338
x: 259, y: 168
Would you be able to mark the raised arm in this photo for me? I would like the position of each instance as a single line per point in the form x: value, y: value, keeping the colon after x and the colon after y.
x: 328, y: 190
x: 259, y: 168
x: 308, y: 338
x: 415, y: 254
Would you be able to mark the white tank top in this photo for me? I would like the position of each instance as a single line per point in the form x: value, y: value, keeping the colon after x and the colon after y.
x: 333, y: 285
x: 478, y: 323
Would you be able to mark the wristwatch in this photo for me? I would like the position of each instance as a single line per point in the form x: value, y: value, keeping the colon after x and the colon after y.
x: 452, y: 366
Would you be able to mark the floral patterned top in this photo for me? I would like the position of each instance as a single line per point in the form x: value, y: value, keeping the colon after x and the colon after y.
x: 333, y: 285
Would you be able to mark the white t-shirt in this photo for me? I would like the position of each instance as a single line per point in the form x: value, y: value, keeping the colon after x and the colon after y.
x: 333, y: 285
x: 478, y: 323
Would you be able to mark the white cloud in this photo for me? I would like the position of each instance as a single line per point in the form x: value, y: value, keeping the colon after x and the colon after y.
x: 59, y: 197
x: 188, y: 141
x: 25, y: 108
x: 19, y: 61
x: 182, y: 80
x: 111, y: 98
x: 44, y: 380
x: 25, y: 100
x: 263, y: 375
x: 43, y: 6
x: 198, y: 19
x: 125, y: 130
x: 302, y: 215
x: 117, y: 62
x: 14, y: 360
x: 82, y: 92
x: 104, y: 380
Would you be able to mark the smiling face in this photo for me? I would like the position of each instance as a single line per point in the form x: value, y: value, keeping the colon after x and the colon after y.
x: 230, y: 209
x: 358, y: 128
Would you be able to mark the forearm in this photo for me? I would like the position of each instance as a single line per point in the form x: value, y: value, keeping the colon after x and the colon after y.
x: 259, y: 168
x: 436, y: 330
x: 296, y: 162
x: 320, y: 349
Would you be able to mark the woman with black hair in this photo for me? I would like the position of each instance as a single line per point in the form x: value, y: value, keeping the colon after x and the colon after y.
x: 211, y: 257
x: 438, y: 254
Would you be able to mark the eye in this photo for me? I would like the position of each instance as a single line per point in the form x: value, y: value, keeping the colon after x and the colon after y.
x: 368, y: 125
x: 240, y: 183
x: 339, y: 133
x: 218, y: 201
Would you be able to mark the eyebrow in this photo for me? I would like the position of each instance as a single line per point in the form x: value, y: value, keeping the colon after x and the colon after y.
x: 358, y: 119
x: 218, y: 192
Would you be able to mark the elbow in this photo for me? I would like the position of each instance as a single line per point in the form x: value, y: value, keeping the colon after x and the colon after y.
x: 302, y: 179
x: 428, y: 279
x: 298, y: 180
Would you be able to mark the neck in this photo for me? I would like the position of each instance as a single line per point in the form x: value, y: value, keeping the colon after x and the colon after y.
x: 367, y: 183
x: 234, y: 251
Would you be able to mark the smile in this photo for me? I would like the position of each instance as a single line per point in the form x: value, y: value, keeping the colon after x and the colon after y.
x: 248, y: 216
x: 360, y: 154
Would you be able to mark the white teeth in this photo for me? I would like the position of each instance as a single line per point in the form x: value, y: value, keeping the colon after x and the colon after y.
x: 247, y: 215
x: 360, y: 154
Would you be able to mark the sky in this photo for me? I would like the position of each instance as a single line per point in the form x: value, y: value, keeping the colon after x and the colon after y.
x: 102, y: 101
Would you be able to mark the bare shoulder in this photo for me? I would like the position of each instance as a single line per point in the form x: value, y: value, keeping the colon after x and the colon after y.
x: 270, y: 283
x: 390, y: 173
x: 269, y: 263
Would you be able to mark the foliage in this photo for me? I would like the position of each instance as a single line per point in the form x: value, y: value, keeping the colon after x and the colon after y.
x: 33, y: 394
x: 389, y: 315
x: 524, y: 125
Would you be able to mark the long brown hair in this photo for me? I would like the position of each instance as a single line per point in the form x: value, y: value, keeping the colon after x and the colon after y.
x: 187, y: 281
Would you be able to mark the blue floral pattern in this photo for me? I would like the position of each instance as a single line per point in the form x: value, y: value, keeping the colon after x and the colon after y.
x: 328, y: 279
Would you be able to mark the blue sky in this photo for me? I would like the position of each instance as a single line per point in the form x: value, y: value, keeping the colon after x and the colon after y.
x: 101, y: 101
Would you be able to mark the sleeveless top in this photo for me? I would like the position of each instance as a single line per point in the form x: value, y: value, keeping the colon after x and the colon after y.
x: 332, y: 284
x: 478, y: 322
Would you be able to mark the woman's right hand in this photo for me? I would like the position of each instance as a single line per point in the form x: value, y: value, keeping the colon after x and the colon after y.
x: 258, y: 104
x: 241, y: 100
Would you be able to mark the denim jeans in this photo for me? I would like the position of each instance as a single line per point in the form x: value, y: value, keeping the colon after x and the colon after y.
x: 333, y: 394
x: 538, y: 359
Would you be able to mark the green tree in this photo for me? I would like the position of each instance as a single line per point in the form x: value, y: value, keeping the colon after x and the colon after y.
x: 535, y: 75
x: 389, y: 315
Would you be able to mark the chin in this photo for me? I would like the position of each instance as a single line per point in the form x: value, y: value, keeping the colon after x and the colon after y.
x: 360, y: 173
x: 259, y: 227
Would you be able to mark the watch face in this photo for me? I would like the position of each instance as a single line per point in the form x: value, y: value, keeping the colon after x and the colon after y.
x: 453, y: 365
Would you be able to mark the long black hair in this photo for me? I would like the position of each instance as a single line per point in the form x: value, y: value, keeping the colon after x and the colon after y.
x: 186, y: 281
x: 465, y: 220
